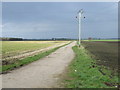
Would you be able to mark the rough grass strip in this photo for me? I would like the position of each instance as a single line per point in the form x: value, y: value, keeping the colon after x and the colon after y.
x: 84, y: 73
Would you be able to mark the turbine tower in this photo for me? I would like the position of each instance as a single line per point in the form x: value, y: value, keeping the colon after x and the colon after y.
x: 80, y: 12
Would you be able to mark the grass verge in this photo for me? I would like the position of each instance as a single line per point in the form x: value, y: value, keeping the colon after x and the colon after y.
x: 102, y: 40
x: 28, y: 60
x: 84, y: 73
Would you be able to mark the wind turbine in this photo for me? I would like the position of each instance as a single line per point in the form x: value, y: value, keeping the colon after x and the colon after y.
x: 80, y: 13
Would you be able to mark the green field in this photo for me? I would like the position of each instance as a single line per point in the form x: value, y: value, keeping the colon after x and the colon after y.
x: 102, y: 40
x: 12, y: 48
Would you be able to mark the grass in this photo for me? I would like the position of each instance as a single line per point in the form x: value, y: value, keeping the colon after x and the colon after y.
x: 28, y: 60
x: 102, y: 40
x: 84, y: 73
x: 12, y: 48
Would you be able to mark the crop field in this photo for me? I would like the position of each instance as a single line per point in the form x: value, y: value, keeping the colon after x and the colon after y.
x: 13, y: 48
x: 105, y: 52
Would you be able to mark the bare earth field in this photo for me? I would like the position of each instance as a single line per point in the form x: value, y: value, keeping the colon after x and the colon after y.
x: 44, y: 73
x: 105, y: 52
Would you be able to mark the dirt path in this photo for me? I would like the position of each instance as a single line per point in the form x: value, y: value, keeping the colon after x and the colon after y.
x: 44, y: 73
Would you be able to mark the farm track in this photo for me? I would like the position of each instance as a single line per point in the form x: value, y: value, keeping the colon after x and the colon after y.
x: 44, y: 73
x: 24, y: 55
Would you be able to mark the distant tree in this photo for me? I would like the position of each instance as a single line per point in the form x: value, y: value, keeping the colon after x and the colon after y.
x: 11, y: 39
x: 15, y: 39
x: 53, y: 38
x: 89, y: 38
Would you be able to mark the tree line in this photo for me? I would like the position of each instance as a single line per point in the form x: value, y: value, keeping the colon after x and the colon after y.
x: 11, y: 39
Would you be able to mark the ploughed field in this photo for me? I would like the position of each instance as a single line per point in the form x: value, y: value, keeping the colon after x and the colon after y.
x: 14, y: 48
x: 105, y: 52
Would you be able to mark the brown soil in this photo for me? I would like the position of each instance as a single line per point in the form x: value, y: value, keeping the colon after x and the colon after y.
x: 105, y: 52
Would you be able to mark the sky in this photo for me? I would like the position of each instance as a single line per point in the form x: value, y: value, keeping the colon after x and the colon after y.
x: 46, y: 20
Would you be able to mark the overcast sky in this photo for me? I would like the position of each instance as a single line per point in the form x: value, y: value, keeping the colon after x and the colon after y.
x: 57, y: 19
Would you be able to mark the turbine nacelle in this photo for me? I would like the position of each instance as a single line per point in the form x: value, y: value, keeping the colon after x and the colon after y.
x: 80, y: 12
